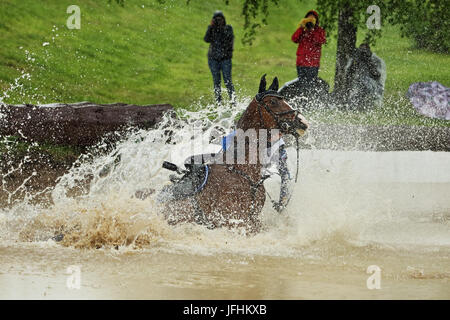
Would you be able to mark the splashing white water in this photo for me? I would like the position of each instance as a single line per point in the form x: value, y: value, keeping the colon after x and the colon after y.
x: 341, y: 198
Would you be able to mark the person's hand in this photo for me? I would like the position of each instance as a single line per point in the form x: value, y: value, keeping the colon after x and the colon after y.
x: 277, y: 206
x: 302, y: 23
x: 280, y: 205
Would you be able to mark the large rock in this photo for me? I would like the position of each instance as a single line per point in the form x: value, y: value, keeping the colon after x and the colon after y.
x: 80, y: 124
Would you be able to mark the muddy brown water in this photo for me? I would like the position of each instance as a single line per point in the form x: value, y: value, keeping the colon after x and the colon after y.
x: 350, y: 211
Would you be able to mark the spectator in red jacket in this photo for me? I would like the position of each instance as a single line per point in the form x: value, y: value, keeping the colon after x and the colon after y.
x: 310, y: 38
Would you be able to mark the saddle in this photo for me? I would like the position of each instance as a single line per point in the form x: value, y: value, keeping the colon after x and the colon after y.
x: 191, y: 182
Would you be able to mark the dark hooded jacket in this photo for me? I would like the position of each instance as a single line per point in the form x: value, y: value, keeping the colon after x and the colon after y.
x: 309, y: 44
x: 221, y: 39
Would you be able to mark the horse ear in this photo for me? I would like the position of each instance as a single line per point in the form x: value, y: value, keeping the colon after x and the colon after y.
x: 274, y: 85
x: 262, y: 84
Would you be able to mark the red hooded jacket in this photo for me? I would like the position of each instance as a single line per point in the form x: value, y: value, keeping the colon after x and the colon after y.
x: 309, y: 44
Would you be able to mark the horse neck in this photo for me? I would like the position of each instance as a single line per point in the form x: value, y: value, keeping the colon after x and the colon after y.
x: 250, y: 120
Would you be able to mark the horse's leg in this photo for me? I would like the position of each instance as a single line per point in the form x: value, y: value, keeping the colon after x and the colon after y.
x: 254, y: 224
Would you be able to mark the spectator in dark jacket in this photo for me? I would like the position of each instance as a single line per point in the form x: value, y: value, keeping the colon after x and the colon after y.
x: 221, y: 38
x: 310, y: 38
x: 365, y: 78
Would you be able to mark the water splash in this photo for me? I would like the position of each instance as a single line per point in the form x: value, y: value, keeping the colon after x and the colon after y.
x: 93, y: 204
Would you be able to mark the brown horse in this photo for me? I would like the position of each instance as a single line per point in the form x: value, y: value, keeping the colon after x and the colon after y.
x: 233, y: 194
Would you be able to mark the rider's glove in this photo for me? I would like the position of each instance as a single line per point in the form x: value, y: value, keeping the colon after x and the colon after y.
x: 277, y: 206
x: 280, y: 205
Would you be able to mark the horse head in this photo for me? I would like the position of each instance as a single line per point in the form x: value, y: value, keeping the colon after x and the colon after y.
x: 269, y: 110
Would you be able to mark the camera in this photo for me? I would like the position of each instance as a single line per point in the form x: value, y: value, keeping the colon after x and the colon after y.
x: 309, y: 25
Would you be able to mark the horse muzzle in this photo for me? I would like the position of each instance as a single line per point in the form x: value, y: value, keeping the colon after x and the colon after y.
x: 297, y: 126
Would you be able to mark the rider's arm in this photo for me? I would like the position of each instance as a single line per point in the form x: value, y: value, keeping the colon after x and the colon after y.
x: 298, y: 35
x: 284, y: 174
x: 209, y: 35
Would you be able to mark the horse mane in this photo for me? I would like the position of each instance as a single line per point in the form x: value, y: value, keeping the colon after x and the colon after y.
x: 247, y: 115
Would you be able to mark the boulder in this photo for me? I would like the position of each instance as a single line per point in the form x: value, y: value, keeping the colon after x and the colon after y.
x: 79, y: 124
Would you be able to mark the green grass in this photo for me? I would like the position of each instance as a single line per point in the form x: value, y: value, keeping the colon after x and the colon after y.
x: 150, y: 52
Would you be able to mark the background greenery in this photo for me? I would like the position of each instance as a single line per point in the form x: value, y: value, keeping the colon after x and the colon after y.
x: 426, y: 22
x: 149, y: 52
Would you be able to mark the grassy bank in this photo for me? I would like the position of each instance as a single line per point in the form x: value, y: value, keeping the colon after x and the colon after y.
x: 153, y: 52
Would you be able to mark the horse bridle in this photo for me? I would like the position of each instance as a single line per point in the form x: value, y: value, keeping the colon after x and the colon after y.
x: 285, y: 125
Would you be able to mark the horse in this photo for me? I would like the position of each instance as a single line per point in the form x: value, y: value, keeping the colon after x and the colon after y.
x: 232, y: 194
